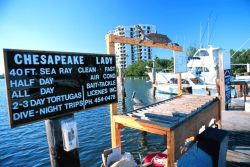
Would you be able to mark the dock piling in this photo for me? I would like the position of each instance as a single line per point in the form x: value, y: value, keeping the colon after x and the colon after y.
x: 58, y: 156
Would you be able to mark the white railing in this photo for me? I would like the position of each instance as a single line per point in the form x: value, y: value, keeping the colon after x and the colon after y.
x: 241, y: 64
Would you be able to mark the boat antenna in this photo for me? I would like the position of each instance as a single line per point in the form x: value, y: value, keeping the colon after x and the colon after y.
x: 208, y: 27
x: 241, y: 46
x: 200, y: 33
x: 203, y: 33
x: 212, y: 31
x: 184, y: 44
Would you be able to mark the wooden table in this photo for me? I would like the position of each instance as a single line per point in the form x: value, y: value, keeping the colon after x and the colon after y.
x: 176, y: 119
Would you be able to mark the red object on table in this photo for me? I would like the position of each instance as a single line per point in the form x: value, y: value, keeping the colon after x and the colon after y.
x: 157, y: 159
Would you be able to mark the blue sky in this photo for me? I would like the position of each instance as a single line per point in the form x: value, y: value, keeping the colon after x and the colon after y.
x: 80, y: 26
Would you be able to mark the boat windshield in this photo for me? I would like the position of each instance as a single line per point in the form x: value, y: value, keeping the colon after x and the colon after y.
x: 202, y: 53
x: 198, y: 70
x: 193, y: 58
x: 175, y: 81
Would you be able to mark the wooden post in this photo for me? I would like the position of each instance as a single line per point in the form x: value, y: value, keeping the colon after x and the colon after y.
x: 121, y: 74
x: 123, y: 97
x: 154, y: 91
x: 58, y: 156
x: 154, y: 78
x: 115, y: 130
x: 110, y: 45
x: 122, y: 88
x: 171, y: 149
x: 153, y: 73
x: 219, y: 121
x: 222, y: 82
x: 179, y: 84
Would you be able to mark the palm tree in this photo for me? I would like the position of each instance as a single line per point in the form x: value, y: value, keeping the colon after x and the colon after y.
x: 191, y: 50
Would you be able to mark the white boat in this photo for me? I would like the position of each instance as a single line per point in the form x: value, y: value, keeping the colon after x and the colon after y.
x: 201, y: 74
x: 243, y: 78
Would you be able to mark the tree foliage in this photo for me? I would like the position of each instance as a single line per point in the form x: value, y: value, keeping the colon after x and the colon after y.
x: 191, y: 50
x: 136, y: 69
x: 167, y: 64
x: 240, y: 57
x: 139, y: 68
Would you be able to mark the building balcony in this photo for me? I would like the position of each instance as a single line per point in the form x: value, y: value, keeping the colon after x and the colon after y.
x: 122, y: 62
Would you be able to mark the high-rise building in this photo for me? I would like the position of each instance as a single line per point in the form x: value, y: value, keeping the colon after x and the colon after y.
x: 127, y: 54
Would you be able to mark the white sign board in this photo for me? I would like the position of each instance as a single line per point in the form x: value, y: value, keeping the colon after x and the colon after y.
x: 180, y: 63
x: 70, y: 135
x: 226, y: 61
x: 46, y: 84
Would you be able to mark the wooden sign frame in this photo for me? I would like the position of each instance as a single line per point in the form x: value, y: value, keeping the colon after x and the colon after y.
x: 115, y: 126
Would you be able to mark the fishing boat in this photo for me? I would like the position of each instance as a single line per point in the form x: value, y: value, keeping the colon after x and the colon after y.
x: 201, y: 73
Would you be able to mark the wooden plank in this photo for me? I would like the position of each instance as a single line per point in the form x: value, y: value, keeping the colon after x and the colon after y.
x: 162, y: 117
x: 219, y: 122
x: 238, y: 157
x: 136, y: 41
x: 115, y: 128
x: 171, y: 149
x: 152, y: 120
x: 187, y: 108
x: 191, y: 127
x: 116, y: 140
x: 110, y: 45
x: 140, y: 124
x: 113, y: 109
x: 179, y: 84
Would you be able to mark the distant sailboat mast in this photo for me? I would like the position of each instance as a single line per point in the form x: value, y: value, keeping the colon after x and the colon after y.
x: 200, y: 33
x: 208, y: 30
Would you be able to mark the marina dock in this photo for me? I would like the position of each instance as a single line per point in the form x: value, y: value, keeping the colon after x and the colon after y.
x: 237, y: 122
